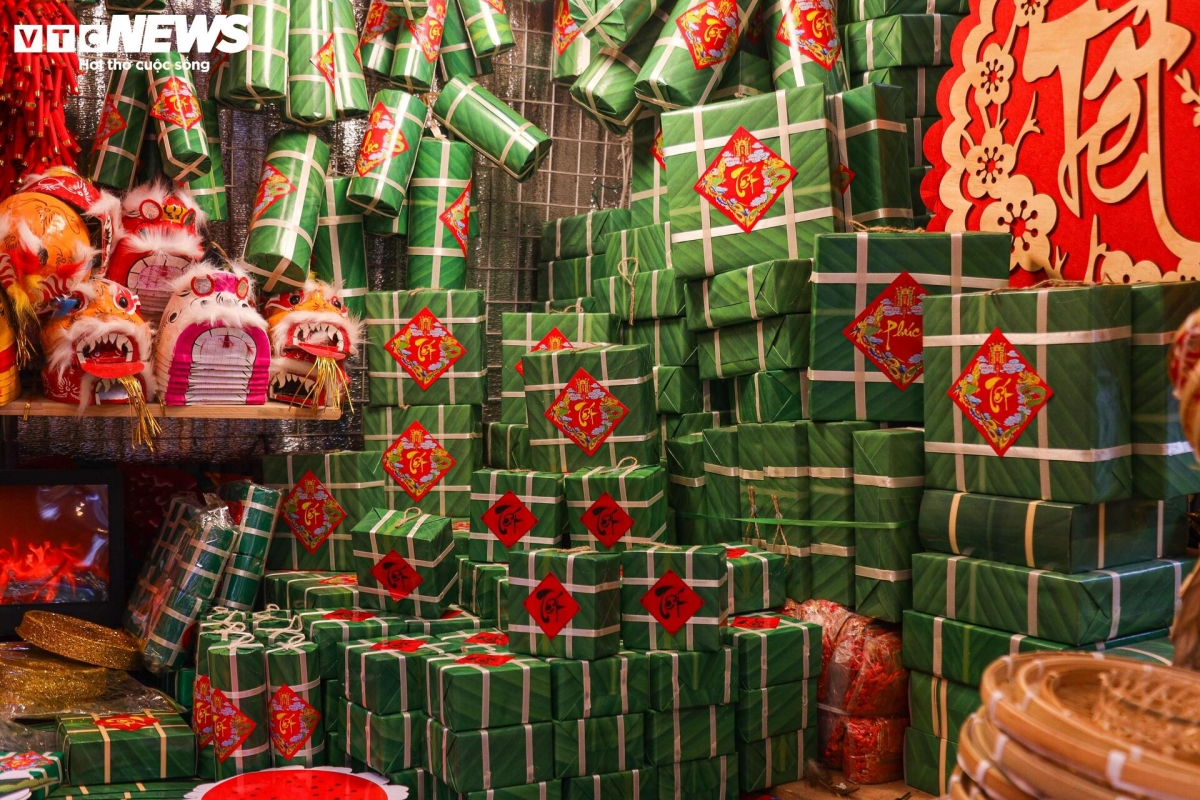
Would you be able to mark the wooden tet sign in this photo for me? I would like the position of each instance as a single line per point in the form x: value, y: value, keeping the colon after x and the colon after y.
x: 1074, y: 124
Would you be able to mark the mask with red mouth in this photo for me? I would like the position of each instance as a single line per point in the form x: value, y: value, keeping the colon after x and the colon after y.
x: 97, y: 348
x: 312, y: 335
x: 159, y: 241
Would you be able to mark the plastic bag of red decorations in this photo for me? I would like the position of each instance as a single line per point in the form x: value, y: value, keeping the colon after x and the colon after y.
x: 862, y: 692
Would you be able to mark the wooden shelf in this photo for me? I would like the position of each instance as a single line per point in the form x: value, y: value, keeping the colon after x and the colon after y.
x: 38, y: 406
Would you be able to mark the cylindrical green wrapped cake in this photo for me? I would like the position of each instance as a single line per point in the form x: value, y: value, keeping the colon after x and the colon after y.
x: 487, y: 27
x: 386, y: 226
x: 611, y: 25
x: 605, y: 89
x: 417, y: 49
x: 572, y: 51
x: 377, y: 44
x: 237, y: 672
x: 220, y: 87
x: 805, y: 45
x: 295, y: 704
x: 123, y: 121
x: 260, y: 72
x: 182, y: 140
x: 456, y: 57
x: 339, y: 252
x: 209, y: 189
x: 350, y: 87
x: 488, y: 124
x: 311, y: 65
x: 279, y: 240
x: 438, y: 206
x: 388, y: 152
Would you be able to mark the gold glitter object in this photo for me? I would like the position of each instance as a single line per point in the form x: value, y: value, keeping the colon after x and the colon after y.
x: 31, y: 678
x: 80, y: 640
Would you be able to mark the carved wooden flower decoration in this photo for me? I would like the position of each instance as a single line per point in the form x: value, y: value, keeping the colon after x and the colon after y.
x: 990, y: 164
x: 1029, y: 217
x: 994, y: 76
x: 1030, y: 11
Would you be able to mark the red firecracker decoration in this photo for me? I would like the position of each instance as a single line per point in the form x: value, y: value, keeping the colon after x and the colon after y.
x: 33, y: 134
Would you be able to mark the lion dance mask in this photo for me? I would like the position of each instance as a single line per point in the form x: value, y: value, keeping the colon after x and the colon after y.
x: 312, y: 335
x: 97, y: 349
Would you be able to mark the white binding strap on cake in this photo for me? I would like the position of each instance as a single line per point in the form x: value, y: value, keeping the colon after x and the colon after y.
x: 390, y: 435
x: 888, y: 482
x: 833, y: 550
x: 888, y: 575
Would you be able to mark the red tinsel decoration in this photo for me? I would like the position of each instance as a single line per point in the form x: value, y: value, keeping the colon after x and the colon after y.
x: 33, y: 134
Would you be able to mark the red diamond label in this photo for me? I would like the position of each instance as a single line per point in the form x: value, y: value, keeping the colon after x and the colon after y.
x: 381, y: 18
x: 672, y: 602
x: 383, y: 140
x: 734, y: 552
x: 396, y: 575
x: 350, y: 615
x: 428, y: 32
x: 27, y: 760
x: 844, y: 177
x: 586, y: 412
x: 399, y: 645
x: 745, y: 179
x: 554, y: 340
x: 202, y: 717
x: 452, y: 613
x: 273, y: 186
x: 457, y: 217
x: 485, y: 659
x: 890, y: 331
x: 810, y: 26
x: 425, y: 348
x: 416, y: 461
x: 551, y: 606
x: 710, y: 31
x: 488, y: 637
x: 656, y: 150
x: 176, y: 104
x: 566, y: 29
x: 111, y: 121
x: 756, y: 623
x: 237, y: 510
x: 324, y: 62
x: 498, y: 5
x: 999, y: 392
x: 606, y: 520
x: 293, y: 721
x: 311, y: 512
x: 339, y: 580
x: 509, y: 519
x: 230, y: 726
x: 127, y: 722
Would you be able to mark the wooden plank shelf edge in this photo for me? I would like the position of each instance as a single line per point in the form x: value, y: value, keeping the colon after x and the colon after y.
x: 38, y: 406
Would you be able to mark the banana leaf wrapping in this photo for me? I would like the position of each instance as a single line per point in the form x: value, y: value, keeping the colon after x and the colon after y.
x: 277, y: 587
x: 515, y: 512
x: 854, y: 274
x: 418, y: 43
x: 572, y: 51
x: 454, y: 619
x: 568, y: 278
x: 777, y: 343
x: 618, y: 684
x: 488, y: 28
x: 1074, y: 341
x: 203, y: 555
x: 582, y: 235
x: 380, y: 33
x: 385, y: 744
x: 648, y: 173
x: 259, y: 74
x: 178, y: 120
x: 772, y: 396
x: 889, y: 480
x: 938, y: 706
x: 919, y: 85
x: 382, y: 226
x: 524, y: 333
x: 759, y: 291
x: 691, y: 55
x: 831, y: 499
x: 746, y: 76
x: 917, y: 128
x: 775, y: 482
x: 439, y: 211
x: 339, y: 250
x: 508, y: 446
x: 240, y: 582
x: 871, y: 140
x: 208, y: 190
x: 632, y: 294
x: 481, y: 588
x: 445, y: 488
x: 675, y: 425
x: 312, y: 76
x: 455, y: 57
x: 386, y: 676
x: 647, y: 249
x: 671, y: 343
x: 397, y: 377
x: 1158, y: 650
x: 773, y: 649
x: 806, y: 45
x: 689, y: 734
x: 714, y: 230
x: 124, y: 120
x: 776, y: 710
x: 777, y: 760
x: 485, y: 690
x: 605, y: 88
x: 328, y: 628
x: 102, y: 749
x: 477, y: 761
x: 350, y: 85
x: 641, y: 782
x: 222, y: 84
x: 1163, y: 465
x: 598, y: 745
x: 614, y: 509
x: 542, y: 790
x: 254, y: 510
x: 674, y: 598
x: 295, y: 704
x: 862, y: 10
x: 405, y: 563
x: 916, y: 176
x: 42, y: 773
x: 679, y: 390
x: 723, y: 484
x: 388, y: 152
x: 686, y: 495
x: 756, y: 579
x: 929, y: 761
x: 904, y: 40
x: 565, y: 604
x: 612, y: 25
x: 408, y: 9
x: 241, y: 722
x: 157, y: 790
x: 583, y: 305
x: 1060, y: 537
x: 616, y: 381
x: 496, y: 131
x: 318, y: 590
x: 707, y: 778
x: 291, y: 190
x: 1072, y: 609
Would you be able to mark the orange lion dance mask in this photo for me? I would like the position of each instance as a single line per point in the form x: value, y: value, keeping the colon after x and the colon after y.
x: 312, y: 335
